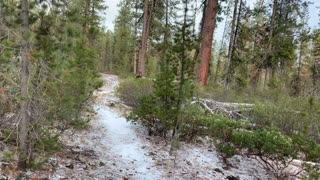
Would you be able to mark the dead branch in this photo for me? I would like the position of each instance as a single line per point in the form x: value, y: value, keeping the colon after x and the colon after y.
x: 231, y: 110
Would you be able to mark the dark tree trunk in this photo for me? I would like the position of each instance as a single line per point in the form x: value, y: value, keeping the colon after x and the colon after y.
x: 1, y: 21
x: 86, y: 23
x: 182, y: 71
x: 206, y: 41
x: 231, y: 45
x: 135, y: 55
x: 298, y: 88
x: 24, y: 111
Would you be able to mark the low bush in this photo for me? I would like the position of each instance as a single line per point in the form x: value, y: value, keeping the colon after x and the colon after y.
x: 291, y: 115
x: 270, y: 146
x: 131, y: 90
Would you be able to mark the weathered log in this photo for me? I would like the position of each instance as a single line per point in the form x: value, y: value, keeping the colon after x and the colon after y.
x: 232, y: 110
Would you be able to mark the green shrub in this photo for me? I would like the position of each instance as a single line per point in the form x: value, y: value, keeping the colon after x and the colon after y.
x: 313, y: 171
x: 80, y: 123
x: 290, y: 115
x: 131, y: 90
x: 265, y: 142
x: 190, y: 117
x: 308, y: 147
x: 145, y: 113
x: 48, y: 142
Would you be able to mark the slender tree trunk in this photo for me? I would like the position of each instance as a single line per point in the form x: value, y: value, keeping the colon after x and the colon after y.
x: 86, y: 23
x: 1, y: 21
x: 135, y: 55
x: 299, y: 69
x: 167, y: 31
x: 206, y: 41
x: 107, y: 55
x: 256, y: 70
x: 270, y: 46
x: 92, y: 14
x: 231, y: 45
x: 24, y: 111
x: 266, y: 77
x: 145, y: 36
x: 182, y: 71
x: 221, y: 46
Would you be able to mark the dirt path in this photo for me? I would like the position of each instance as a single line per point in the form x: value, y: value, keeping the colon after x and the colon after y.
x: 112, y: 148
x: 121, y: 150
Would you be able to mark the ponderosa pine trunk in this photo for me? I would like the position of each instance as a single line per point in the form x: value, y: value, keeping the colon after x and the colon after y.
x: 206, y: 41
x: 24, y: 109
x: 145, y: 36
x: 231, y: 45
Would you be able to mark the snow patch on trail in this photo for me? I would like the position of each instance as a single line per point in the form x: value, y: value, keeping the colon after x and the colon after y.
x: 125, y: 151
x: 113, y: 148
x: 125, y: 144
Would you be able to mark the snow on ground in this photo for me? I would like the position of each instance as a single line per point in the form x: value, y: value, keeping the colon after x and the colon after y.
x: 112, y: 148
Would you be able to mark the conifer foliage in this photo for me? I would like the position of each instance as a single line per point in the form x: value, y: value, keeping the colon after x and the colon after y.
x: 58, y: 70
x: 174, y: 85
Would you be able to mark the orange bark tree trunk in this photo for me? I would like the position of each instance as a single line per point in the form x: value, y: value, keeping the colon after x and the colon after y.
x: 145, y: 36
x: 206, y: 41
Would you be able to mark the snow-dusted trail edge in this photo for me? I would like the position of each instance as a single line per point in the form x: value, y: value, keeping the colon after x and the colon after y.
x: 124, y: 151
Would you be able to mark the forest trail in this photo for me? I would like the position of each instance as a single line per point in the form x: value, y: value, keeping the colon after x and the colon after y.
x: 121, y: 150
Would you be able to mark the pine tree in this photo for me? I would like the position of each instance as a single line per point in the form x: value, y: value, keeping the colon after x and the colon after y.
x: 147, y: 18
x: 208, y: 24
x: 24, y: 124
x: 123, y: 40
x: 173, y: 85
x: 232, y: 42
x: 183, y: 44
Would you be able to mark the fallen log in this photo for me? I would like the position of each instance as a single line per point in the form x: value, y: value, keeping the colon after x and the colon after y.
x: 231, y: 110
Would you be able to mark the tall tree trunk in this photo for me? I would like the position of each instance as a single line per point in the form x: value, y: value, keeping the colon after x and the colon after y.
x: 204, y: 11
x: 221, y: 46
x: 182, y: 71
x: 135, y: 55
x: 145, y: 36
x: 86, y: 23
x: 167, y: 31
x: 231, y: 45
x: 206, y: 41
x: 1, y: 20
x: 256, y: 70
x: 24, y: 111
x: 92, y: 15
x: 270, y: 46
x: 106, y: 61
x: 196, y: 54
x: 298, y: 90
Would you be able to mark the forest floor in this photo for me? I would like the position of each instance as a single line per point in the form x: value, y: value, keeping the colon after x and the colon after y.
x: 112, y: 148
x: 122, y: 150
